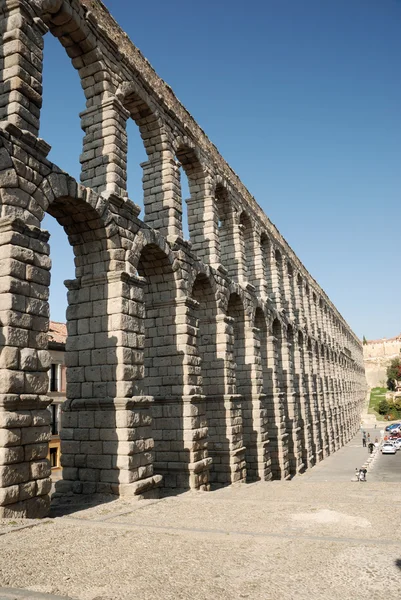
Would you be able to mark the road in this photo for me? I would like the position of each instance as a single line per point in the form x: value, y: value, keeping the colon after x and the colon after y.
x: 387, y: 468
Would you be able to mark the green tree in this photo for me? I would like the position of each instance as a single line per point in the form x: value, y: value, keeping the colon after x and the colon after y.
x: 394, y: 369
x: 383, y: 407
x: 397, y: 403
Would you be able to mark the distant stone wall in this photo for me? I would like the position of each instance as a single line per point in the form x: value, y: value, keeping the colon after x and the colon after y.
x: 377, y: 355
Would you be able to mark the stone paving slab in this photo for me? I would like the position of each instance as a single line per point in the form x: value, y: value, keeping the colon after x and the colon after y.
x: 15, y: 594
x: 282, y: 540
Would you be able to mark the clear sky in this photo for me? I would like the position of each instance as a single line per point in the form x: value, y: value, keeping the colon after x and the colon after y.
x: 303, y: 101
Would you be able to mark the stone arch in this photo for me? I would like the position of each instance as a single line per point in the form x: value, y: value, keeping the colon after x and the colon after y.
x: 77, y: 38
x: 223, y: 215
x: 196, y: 205
x: 137, y: 105
x: 163, y: 372
x: 211, y: 371
x: 148, y: 237
x: 246, y: 248
x: 265, y: 270
x: 277, y: 404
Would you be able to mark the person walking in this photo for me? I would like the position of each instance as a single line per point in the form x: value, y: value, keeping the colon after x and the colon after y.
x: 368, y: 437
x: 371, y: 447
x: 364, y: 439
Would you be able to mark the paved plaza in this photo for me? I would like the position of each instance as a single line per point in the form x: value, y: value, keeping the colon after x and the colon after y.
x: 310, y: 538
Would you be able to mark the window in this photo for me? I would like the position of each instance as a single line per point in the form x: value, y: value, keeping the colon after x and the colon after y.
x: 54, y: 378
x: 54, y: 418
x: 53, y: 458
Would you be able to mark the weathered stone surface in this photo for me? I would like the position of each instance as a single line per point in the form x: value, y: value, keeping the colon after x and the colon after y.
x: 190, y: 363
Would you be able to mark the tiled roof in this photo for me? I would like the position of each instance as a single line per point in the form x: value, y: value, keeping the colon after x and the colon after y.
x: 57, y: 332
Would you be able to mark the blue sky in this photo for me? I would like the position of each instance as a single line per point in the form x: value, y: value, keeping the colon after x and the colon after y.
x: 303, y: 101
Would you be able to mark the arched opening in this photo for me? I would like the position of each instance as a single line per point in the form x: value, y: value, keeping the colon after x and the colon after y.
x: 278, y: 436
x: 192, y: 192
x: 92, y: 353
x: 290, y: 403
x: 238, y: 370
x: 137, y: 159
x: 264, y: 276
x: 299, y: 399
x: 63, y: 100
x: 307, y: 307
x: 290, y: 291
x: 163, y: 367
x: 138, y: 155
x: 246, y: 247
x: 62, y: 268
x: 259, y: 443
x: 278, y: 279
x: 212, y: 381
x: 314, y: 314
x: 223, y: 215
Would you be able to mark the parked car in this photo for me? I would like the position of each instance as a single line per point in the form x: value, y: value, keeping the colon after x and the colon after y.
x: 392, y: 426
x: 388, y: 448
x: 397, y: 444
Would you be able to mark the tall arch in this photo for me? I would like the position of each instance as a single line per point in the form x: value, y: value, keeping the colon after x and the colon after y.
x: 276, y: 401
x: 246, y: 248
x: 212, y: 373
x: 224, y: 222
x: 163, y: 366
x: 196, y: 203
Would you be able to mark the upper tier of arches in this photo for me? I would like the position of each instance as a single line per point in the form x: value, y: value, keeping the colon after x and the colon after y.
x: 227, y: 228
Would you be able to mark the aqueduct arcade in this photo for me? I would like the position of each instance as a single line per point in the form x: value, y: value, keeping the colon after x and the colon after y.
x: 191, y: 363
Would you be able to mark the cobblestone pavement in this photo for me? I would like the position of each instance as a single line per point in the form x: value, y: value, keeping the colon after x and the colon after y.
x: 303, y: 539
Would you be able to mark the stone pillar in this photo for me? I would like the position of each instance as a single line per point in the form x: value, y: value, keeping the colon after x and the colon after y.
x: 21, y: 72
x: 239, y: 274
x: 203, y: 220
x: 301, y: 387
x: 24, y: 361
x: 289, y: 291
x: 299, y: 303
x: 277, y: 279
x: 321, y: 402
x: 162, y: 194
x: 334, y: 403
x: 307, y: 311
x: 232, y: 468
x: 261, y: 267
x: 291, y: 397
x: 317, y: 434
x: 104, y: 155
x: 106, y: 435
x: 194, y: 414
x: 255, y: 413
x: 276, y: 412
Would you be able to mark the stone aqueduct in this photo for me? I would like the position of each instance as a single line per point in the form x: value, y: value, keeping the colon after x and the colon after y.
x: 190, y: 364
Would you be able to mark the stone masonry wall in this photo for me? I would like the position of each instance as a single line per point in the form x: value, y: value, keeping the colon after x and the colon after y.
x: 377, y: 356
x: 190, y: 364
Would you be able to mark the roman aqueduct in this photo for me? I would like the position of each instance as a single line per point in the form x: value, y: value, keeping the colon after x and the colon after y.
x: 191, y: 364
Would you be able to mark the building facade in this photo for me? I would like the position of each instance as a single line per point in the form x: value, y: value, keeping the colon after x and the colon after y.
x: 57, y: 338
x: 190, y: 363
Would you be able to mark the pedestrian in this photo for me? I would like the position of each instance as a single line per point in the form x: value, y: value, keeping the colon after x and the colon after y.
x: 368, y: 437
x: 364, y: 439
x: 376, y: 440
x: 375, y: 425
x: 371, y: 447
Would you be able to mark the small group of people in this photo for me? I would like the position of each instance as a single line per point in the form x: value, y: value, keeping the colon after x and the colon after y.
x: 360, y: 474
x: 366, y: 442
